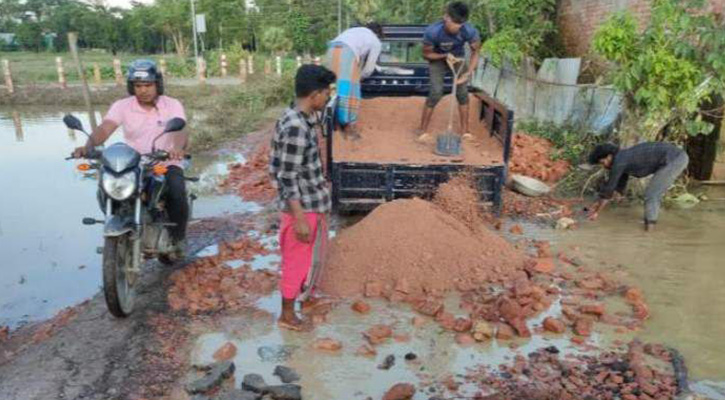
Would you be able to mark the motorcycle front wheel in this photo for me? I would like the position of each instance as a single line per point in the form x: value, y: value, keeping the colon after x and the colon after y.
x: 117, y: 260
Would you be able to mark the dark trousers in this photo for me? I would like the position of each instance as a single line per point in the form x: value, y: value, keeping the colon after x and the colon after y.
x: 177, y: 202
x: 661, y: 181
x: 438, y: 70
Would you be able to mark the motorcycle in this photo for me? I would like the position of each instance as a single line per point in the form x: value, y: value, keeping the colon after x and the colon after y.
x: 131, y: 188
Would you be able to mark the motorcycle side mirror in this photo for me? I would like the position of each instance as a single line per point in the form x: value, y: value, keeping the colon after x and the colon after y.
x: 73, y: 123
x: 174, y: 125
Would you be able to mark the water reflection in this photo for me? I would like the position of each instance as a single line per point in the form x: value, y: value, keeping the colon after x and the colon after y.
x: 19, y: 136
x: 680, y: 269
x: 49, y: 257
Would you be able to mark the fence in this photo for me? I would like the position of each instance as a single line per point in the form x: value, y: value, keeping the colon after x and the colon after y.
x: 200, y: 71
x: 550, y: 94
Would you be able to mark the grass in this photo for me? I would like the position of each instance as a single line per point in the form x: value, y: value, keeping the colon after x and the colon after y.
x: 31, y: 68
x: 222, y: 113
x: 217, y: 113
x: 34, y: 68
x: 571, y: 143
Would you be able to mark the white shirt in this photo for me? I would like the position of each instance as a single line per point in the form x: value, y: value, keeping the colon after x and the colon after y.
x: 366, y: 46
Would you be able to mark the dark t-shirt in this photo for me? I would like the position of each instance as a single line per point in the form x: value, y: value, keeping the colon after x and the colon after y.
x: 444, y: 43
x: 639, y: 161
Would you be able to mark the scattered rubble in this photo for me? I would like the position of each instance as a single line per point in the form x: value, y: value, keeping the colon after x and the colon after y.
x: 286, y: 374
x: 387, y: 363
x: 327, y: 344
x: 532, y: 156
x: 609, y: 375
x: 251, y: 180
x: 254, y: 383
x: 208, y: 284
x: 361, y: 307
x: 212, y: 378
x: 226, y: 352
x: 400, y: 391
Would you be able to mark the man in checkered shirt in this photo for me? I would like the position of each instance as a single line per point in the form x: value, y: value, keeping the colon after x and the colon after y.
x: 303, y: 195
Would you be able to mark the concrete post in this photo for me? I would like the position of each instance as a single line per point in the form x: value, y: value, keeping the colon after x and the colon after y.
x: 224, y: 65
x: 242, y: 71
x: 117, y: 72
x: 97, y: 74
x: 61, y: 72
x: 8, y: 77
x: 201, y: 70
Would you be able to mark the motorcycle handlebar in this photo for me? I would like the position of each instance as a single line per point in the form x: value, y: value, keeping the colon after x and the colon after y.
x: 161, y: 155
x: 94, y: 155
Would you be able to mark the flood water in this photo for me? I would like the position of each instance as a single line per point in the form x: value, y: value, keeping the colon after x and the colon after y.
x: 49, y: 259
x: 680, y: 268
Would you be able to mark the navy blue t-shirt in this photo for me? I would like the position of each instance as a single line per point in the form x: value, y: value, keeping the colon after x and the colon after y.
x: 444, y: 43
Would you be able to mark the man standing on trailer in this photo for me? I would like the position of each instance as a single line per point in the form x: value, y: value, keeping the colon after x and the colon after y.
x: 445, y: 40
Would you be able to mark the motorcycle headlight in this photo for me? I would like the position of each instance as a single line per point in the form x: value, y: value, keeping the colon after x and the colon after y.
x: 119, y: 187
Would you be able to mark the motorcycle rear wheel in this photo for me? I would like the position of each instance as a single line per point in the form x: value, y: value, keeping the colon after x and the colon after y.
x: 117, y: 260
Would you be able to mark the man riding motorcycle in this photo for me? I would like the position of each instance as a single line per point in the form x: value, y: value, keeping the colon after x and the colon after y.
x: 143, y: 116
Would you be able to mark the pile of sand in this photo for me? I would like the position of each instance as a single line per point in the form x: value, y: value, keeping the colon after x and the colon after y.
x: 416, y: 247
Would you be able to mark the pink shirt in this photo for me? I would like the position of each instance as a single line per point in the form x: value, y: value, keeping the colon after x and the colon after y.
x: 141, y: 127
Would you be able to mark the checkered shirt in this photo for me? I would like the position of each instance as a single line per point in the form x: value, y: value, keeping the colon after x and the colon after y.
x: 295, y: 163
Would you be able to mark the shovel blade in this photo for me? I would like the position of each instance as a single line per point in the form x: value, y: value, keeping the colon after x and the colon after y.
x: 448, y: 145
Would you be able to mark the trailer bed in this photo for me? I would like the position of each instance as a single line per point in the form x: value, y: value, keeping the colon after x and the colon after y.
x: 388, y: 129
x: 370, y: 172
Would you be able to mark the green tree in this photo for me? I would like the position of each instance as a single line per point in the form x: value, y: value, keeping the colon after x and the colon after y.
x: 299, y: 26
x: 275, y: 40
x: 30, y: 35
x: 172, y: 18
x: 667, y: 71
x: 10, y: 12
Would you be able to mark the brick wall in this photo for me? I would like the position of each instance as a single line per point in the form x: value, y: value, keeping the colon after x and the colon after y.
x: 579, y: 19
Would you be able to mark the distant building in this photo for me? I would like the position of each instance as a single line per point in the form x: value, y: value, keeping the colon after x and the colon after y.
x: 8, y: 41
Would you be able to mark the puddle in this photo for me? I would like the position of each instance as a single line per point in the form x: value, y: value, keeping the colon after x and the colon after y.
x: 346, y: 375
x: 46, y: 250
x: 679, y: 267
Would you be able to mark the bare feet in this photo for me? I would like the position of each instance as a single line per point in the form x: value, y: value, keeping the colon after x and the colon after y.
x: 316, y: 305
x: 351, y: 132
x: 293, y: 324
x: 288, y: 319
x: 424, y: 138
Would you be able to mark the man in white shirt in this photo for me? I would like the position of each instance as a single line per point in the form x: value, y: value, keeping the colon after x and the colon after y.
x: 352, y: 56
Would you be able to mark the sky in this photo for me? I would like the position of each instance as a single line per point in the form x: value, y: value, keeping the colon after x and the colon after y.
x: 127, y: 3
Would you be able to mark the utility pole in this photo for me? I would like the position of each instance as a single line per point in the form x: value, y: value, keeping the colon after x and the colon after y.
x: 339, y: 17
x: 193, y: 25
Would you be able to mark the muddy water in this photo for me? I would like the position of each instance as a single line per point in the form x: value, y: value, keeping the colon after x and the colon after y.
x: 680, y: 268
x: 49, y: 259
x: 344, y: 375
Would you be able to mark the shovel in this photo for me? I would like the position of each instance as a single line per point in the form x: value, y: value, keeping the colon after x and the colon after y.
x: 448, y: 144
